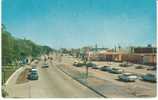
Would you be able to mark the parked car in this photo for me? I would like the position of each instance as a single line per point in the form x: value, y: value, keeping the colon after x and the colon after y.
x: 33, y: 75
x: 75, y: 63
x: 95, y: 67
x: 45, y: 65
x: 139, y: 67
x: 125, y: 64
x: 90, y: 64
x: 128, y: 77
x: 149, y: 77
x: 106, y: 68
x: 78, y: 64
x: 116, y: 70
x: 151, y: 68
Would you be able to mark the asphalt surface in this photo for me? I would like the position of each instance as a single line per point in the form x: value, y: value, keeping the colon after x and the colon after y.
x: 51, y: 83
x: 108, y: 84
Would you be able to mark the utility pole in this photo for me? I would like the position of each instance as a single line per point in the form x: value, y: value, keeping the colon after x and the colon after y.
x: 85, y: 61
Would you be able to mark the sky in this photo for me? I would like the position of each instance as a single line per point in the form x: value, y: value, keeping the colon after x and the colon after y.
x: 78, y: 23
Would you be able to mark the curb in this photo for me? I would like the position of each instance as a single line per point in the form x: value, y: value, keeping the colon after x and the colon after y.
x: 19, y: 69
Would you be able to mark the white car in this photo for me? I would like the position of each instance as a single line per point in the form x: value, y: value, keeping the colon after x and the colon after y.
x: 128, y: 77
x: 116, y: 70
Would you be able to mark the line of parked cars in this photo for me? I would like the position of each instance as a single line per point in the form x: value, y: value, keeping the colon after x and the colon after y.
x: 128, y: 64
x: 123, y: 76
x: 129, y: 77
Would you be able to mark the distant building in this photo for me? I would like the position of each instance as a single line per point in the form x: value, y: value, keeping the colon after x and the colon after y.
x: 144, y: 50
x: 143, y: 55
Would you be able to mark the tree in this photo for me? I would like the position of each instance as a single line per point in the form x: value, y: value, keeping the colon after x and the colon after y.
x: 14, y: 49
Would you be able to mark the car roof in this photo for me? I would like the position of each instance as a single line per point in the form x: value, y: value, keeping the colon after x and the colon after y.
x: 127, y: 73
x: 106, y: 66
x: 116, y: 68
x: 151, y: 74
x: 34, y: 69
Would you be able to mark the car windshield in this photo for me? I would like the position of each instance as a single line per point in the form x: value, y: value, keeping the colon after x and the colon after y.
x: 34, y: 72
x: 152, y: 75
x: 115, y: 68
x: 107, y: 67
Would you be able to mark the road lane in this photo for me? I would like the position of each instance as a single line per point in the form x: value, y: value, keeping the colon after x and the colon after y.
x: 52, y: 83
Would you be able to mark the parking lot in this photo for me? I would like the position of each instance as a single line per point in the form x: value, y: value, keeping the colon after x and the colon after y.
x: 108, y: 83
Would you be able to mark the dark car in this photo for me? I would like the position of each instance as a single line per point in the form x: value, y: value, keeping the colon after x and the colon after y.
x: 95, y: 67
x: 149, y: 77
x: 33, y: 75
x: 139, y: 67
x: 106, y: 68
x: 78, y: 64
x: 45, y: 66
x: 152, y: 68
x: 33, y: 67
x: 90, y: 64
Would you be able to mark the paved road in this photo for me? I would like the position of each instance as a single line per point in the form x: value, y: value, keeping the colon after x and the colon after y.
x: 52, y: 83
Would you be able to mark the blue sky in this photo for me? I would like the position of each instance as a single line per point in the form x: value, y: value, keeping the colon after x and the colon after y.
x: 77, y: 23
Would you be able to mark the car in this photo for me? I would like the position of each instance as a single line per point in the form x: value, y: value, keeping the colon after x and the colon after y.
x: 151, y: 68
x: 116, y: 70
x: 90, y: 64
x: 45, y: 65
x: 139, y: 67
x: 95, y: 67
x: 78, y: 64
x: 149, y: 77
x: 125, y: 64
x: 33, y: 75
x: 33, y: 67
x: 128, y: 77
x: 106, y: 68
x: 75, y: 63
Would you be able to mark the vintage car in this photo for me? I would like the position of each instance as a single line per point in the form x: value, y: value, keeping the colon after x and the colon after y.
x: 149, y: 77
x: 128, y: 77
x: 33, y: 74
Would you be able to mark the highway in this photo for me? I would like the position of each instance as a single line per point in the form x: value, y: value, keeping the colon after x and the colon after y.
x: 52, y: 83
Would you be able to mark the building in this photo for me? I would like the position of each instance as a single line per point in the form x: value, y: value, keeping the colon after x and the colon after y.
x: 144, y: 55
